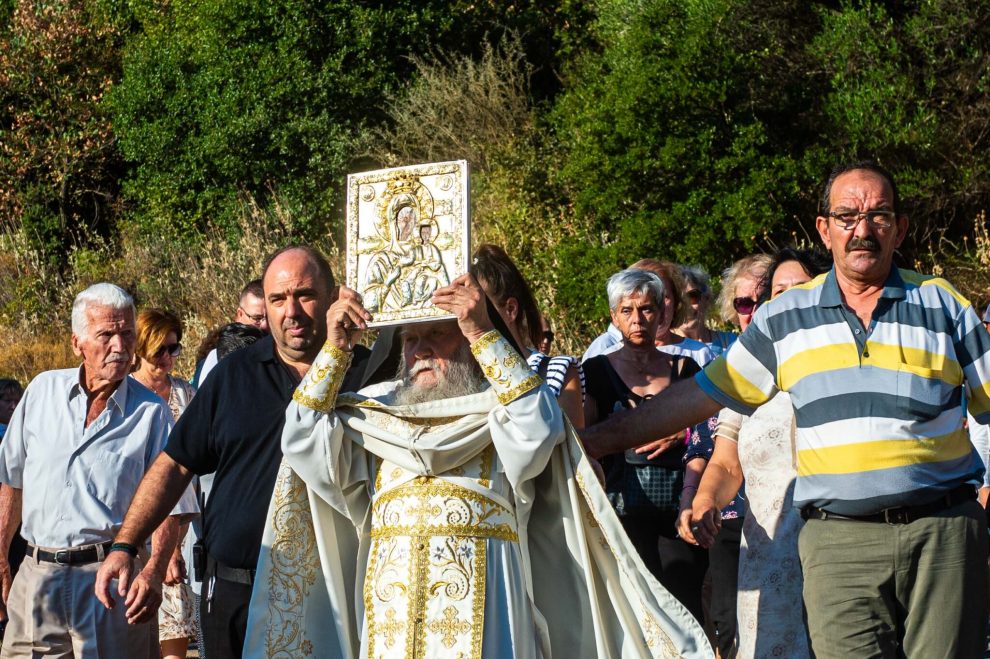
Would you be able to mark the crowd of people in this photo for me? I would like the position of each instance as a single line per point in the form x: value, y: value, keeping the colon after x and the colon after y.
x: 808, y: 481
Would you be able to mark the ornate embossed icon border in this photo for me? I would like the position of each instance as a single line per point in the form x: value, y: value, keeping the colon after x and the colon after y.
x: 408, y: 233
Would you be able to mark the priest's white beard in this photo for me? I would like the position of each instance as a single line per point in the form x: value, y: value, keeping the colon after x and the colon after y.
x: 463, y: 377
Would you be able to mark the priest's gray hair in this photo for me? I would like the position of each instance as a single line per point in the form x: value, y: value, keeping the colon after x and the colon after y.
x: 98, y: 295
x: 631, y: 281
x: 463, y: 377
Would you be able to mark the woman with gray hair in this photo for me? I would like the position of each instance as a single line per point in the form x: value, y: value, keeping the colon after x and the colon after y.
x: 644, y: 490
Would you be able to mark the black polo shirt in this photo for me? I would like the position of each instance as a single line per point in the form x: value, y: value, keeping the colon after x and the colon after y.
x: 233, y: 428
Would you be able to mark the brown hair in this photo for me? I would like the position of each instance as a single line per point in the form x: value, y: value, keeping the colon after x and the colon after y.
x: 668, y: 272
x: 153, y: 326
x: 501, y: 279
x: 254, y: 288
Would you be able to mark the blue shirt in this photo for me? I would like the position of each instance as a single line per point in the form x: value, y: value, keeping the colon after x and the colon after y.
x: 78, y: 481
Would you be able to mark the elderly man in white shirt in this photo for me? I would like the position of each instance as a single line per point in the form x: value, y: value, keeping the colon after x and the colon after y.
x: 75, y: 451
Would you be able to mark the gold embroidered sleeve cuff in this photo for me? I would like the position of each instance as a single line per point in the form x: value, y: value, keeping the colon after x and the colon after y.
x: 318, y: 390
x: 507, y: 372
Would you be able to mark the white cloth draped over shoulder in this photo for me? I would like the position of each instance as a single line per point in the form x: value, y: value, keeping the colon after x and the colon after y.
x: 470, y: 525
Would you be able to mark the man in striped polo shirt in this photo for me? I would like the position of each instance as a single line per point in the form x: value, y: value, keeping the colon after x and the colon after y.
x: 874, y: 358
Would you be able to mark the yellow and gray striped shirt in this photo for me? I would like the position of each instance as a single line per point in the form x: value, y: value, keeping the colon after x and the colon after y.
x: 879, y: 410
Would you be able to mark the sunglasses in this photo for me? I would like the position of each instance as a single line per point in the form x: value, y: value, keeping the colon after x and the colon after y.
x: 174, y: 350
x: 694, y: 296
x: 744, y: 305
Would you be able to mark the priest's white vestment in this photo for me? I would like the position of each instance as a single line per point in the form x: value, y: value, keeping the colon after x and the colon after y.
x: 467, y: 527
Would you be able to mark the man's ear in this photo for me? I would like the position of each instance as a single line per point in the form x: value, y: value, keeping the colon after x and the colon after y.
x: 821, y: 223
x: 902, y: 228
x: 75, y: 346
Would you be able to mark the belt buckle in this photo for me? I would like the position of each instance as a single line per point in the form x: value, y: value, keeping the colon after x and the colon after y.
x: 896, y: 516
x: 63, y: 557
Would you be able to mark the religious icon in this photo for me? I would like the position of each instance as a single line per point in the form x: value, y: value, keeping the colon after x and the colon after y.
x: 407, y: 236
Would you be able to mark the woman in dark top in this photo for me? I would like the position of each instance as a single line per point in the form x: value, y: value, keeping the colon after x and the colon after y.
x: 645, y: 490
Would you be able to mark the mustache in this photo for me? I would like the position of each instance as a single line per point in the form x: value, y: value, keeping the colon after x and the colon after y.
x: 115, y: 357
x: 869, y: 243
x: 421, y: 364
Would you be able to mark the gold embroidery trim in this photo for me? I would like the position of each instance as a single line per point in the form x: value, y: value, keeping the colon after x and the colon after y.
x: 379, y: 462
x: 419, y: 555
x: 318, y: 390
x: 498, y: 532
x: 523, y: 387
x: 487, y: 459
x: 431, y: 486
x: 489, y: 520
x: 481, y: 523
x: 478, y: 605
x: 488, y: 339
x: 369, y: 610
x: 295, y: 564
x: 508, y: 374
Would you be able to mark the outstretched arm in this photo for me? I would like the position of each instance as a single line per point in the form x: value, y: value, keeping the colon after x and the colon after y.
x: 159, y: 491
x: 144, y: 594
x: 679, y: 406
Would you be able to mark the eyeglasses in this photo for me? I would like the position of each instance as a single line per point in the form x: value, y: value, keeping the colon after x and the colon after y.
x: 744, y: 305
x: 849, y: 219
x: 255, y: 317
x: 694, y: 296
x: 174, y: 350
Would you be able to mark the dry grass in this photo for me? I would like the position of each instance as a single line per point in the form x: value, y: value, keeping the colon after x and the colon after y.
x: 23, y: 357
x: 199, y: 282
x: 966, y: 266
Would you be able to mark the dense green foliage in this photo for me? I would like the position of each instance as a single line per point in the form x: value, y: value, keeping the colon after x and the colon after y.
x: 222, y: 96
x: 60, y: 171
x: 701, y: 130
x: 685, y: 135
x: 598, y: 133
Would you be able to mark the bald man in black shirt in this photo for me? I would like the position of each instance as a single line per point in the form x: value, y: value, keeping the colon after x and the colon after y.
x: 233, y: 428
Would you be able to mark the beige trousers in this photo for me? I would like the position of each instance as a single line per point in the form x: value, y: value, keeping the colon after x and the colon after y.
x: 54, y: 612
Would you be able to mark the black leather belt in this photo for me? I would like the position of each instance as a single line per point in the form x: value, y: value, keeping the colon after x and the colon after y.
x: 234, y: 574
x: 73, y: 555
x: 904, y: 514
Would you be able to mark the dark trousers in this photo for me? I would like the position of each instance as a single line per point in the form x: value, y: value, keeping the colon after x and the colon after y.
x: 223, y: 616
x: 723, y: 561
x: 678, y: 566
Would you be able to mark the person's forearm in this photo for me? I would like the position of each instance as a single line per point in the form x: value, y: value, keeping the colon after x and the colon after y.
x: 570, y: 402
x: 694, y: 470
x: 720, y: 483
x: 183, y: 530
x: 680, y: 406
x: 10, y: 515
x: 159, y: 491
x: 163, y: 543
